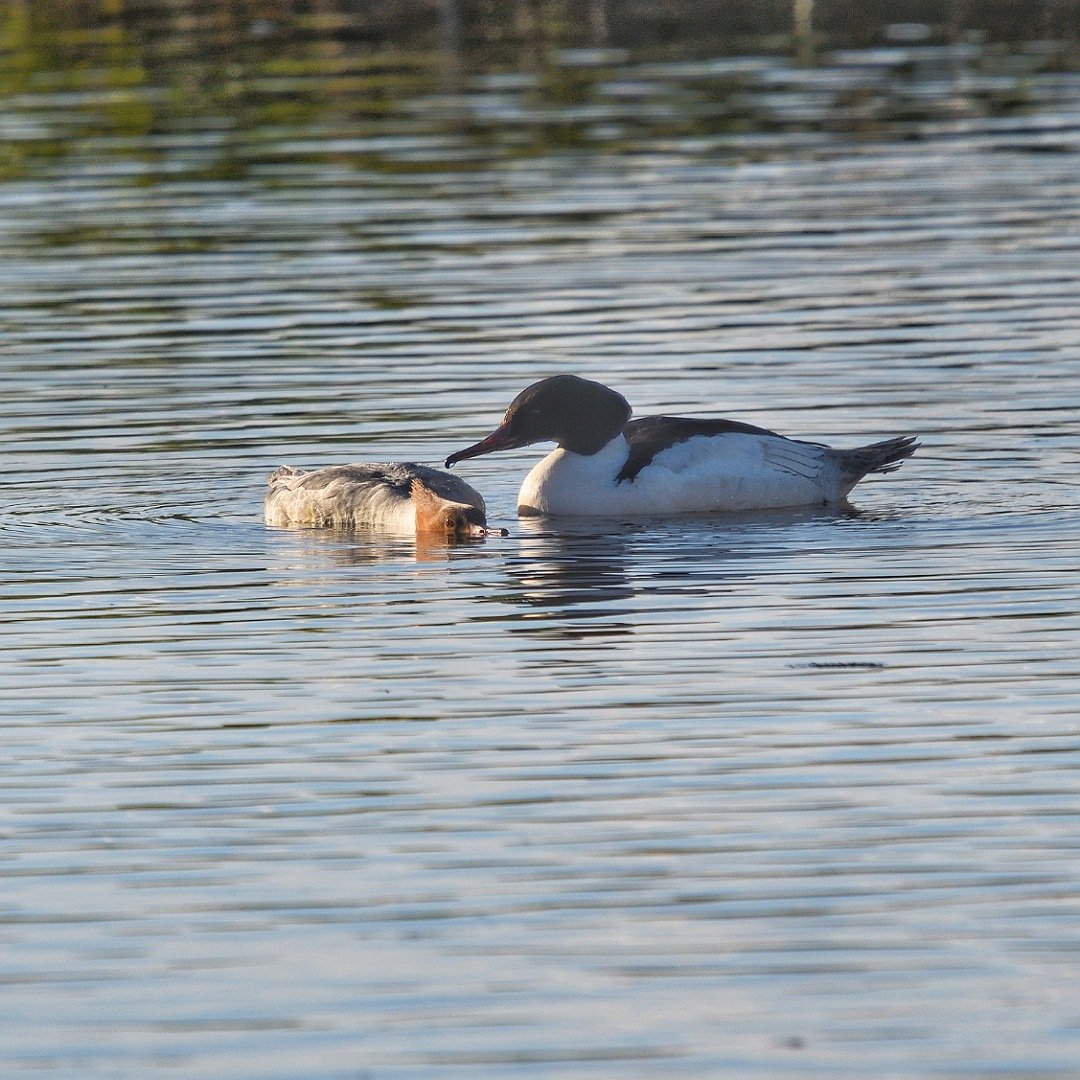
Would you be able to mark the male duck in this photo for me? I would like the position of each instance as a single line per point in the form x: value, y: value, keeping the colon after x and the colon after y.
x: 399, y: 497
x: 608, y: 465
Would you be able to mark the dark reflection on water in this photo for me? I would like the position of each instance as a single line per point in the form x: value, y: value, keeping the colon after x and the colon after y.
x: 564, y: 578
x: 590, y: 570
x: 779, y: 795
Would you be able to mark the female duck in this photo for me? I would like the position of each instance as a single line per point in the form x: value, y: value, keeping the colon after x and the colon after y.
x: 399, y: 497
x: 607, y: 465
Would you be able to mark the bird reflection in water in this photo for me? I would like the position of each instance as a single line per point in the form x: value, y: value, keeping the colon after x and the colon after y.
x: 575, y: 578
x: 341, y: 547
x: 572, y: 581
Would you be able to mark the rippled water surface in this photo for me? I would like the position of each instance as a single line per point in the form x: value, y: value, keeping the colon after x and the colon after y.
x: 793, y: 794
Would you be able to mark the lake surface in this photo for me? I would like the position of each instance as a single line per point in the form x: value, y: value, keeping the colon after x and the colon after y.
x: 782, y: 795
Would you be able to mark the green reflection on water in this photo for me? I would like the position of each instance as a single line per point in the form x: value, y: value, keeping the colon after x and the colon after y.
x: 466, y: 82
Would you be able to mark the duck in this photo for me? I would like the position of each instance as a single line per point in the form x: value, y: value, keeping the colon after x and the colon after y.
x: 606, y: 464
x: 398, y: 497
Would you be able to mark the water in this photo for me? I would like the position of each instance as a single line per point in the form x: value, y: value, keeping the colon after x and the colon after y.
x: 790, y: 794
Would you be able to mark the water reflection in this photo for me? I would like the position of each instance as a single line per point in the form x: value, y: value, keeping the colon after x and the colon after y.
x: 335, y: 547
x: 451, y: 84
x: 697, y: 798
x: 584, y: 577
x: 570, y: 580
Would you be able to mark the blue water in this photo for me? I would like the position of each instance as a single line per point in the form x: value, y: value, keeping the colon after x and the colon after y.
x: 793, y: 794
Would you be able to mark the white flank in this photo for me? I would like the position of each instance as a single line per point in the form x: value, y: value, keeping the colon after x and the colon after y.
x: 733, y: 471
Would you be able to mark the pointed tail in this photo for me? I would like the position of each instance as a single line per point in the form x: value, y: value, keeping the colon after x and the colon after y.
x: 877, y: 457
